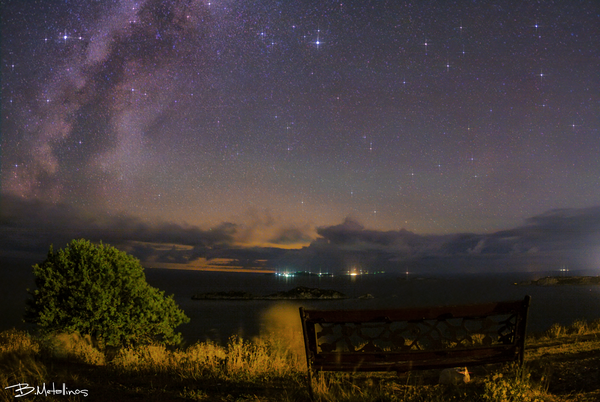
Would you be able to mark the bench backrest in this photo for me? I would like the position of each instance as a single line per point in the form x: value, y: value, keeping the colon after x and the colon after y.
x: 416, y: 338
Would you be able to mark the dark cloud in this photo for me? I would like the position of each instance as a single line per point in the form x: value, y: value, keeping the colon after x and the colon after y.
x: 559, y: 237
x: 352, y: 235
x: 30, y: 226
x: 292, y: 235
x: 564, y: 227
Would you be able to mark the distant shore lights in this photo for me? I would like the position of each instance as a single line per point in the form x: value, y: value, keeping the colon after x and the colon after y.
x: 291, y: 274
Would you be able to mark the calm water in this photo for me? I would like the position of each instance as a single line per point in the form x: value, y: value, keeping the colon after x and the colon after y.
x: 218, y: 320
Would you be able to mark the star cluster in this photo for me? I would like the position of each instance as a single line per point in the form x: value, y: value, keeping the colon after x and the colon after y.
x: 427, y: 116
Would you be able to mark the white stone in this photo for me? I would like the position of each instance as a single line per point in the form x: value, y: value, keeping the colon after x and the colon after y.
x: 454, y: 376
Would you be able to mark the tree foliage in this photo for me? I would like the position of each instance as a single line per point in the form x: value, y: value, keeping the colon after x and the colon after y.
x: 101, y: 291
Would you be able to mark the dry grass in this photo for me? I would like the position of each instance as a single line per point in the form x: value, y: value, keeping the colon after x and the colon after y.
x: 272, y: 368
x: 239, y: 360
x: 578, y: 327
x: 19, y: 361
x: 73, y: 347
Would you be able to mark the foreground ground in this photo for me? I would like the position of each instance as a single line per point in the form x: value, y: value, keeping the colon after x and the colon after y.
x: 562, y: 365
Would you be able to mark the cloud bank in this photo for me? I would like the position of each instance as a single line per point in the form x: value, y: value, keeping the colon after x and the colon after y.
x: 561, y: 237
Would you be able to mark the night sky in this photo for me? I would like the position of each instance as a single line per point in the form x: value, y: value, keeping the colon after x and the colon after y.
x: 271, y: 125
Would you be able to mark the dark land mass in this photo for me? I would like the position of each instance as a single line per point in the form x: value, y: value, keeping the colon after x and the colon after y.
x: 298, y: 293
x: 563, y: 280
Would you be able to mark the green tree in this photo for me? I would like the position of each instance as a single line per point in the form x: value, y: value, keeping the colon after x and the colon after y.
x: 101, y: 291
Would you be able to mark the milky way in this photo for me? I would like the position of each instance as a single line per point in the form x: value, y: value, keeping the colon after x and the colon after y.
x: 434, y: 117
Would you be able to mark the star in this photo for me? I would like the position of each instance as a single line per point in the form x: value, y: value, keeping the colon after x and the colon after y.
x: 536, y: 26
x: 426, y: 43
x: 318, y: 42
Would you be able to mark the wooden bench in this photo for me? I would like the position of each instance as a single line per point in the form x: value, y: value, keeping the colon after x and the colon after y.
x: 414, y: 339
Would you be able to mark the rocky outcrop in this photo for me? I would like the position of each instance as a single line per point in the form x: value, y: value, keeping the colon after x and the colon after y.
x: 298, y: 293
x: 563, y: 280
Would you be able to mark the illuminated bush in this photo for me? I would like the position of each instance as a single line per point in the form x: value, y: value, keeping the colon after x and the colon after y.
x: 100, y: 291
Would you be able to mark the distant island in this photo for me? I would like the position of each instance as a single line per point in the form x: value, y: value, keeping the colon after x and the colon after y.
x: 563, y: 280
x: 298, y: 293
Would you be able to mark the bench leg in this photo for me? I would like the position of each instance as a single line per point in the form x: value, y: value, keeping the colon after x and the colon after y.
x: 310, y: 384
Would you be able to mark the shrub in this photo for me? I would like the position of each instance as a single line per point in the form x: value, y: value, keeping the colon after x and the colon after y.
x: 100, y: 291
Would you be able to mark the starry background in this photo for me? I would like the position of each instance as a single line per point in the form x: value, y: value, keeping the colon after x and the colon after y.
x: 276, y: 124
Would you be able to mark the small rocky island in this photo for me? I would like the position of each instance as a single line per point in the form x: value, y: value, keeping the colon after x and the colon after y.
x: 298, y: 293
x: 563, y: 280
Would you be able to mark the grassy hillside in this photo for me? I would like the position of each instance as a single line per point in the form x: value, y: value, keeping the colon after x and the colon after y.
x: 562, y: 365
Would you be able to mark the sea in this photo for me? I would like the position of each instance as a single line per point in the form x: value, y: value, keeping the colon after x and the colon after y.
x: 219, y: 320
